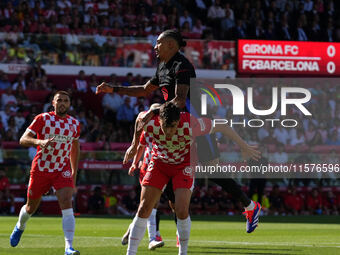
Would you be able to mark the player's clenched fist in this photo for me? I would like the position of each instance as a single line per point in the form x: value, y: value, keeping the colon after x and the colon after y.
x: 104, y: 88
x: 132, y: 169
x: 47, y: 143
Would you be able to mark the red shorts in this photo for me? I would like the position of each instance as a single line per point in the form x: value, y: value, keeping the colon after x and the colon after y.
x: 159, y: 174
x: 142, y: 173
x: 41, y: 182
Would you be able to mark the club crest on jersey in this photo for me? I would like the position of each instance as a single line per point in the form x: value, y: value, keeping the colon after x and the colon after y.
x: 188, y: 171
x: 66, y: 174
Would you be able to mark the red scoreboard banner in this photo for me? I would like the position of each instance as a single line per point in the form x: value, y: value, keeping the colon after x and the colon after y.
x: 288, y: 57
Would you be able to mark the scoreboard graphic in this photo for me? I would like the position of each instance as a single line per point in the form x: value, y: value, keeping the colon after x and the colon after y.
x: 288, y: 57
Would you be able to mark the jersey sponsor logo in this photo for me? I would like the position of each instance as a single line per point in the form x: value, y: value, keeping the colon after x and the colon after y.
x: 165, y: 93
x: 188, y: 171
x: 61, y: 138
x: 66, y: 174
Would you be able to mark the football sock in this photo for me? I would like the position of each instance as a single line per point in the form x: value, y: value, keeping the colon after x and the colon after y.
x: 158, y: 218
x: 251, y: 206
x: 183, y: 228
x: 137, y: 231
x: 152, y: 225
x: 23, y: 218
x: 233, y: 189
x: 68, y: 226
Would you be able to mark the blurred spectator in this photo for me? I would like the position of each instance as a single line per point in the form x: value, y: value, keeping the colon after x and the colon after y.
x: 20, y: 80
x: 280, y: 156
x: 297, y: 138
x: 281, y: 135
x: 210, y: 202
x: 93, y: 83
x: 80, y: 83
x: 185, y: 18
x: 6, y: 197
x: 129, y: 204
x: 111, y: 104
x: 141, y: 106
x: 126, y: 115
x: 111, y: 202
x: 227, y: 26
x: 314, y: 202
x: 4, y: 82
x: 96, y: 202
x: 276, y: 201
x: 293, y: 202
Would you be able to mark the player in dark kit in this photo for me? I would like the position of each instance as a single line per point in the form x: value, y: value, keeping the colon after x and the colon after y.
x: 173, y: 78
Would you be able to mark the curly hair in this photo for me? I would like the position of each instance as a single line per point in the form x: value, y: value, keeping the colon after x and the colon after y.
x: 169, y: 113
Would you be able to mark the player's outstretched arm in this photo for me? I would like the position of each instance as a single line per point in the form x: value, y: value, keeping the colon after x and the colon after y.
x: 28, y: 139
x: 133, y: 91
x: 136, y: 158
x: 247, y: 151
x: 74, y: 159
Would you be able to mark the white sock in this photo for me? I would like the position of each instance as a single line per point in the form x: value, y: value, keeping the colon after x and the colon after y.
x: 152, y: 225
x: 137, y: 232
x: 183, y: 228
x: 158, y: 233
x: 251, y: 206
x: 23, y: 218
x: 68, y: 226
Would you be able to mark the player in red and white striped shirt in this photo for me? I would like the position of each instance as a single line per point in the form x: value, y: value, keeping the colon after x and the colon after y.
x: 173, y: 135
x: 55, y: 134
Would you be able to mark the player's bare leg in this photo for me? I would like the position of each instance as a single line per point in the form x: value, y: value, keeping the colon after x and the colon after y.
x: 64, y: 196
x: 182, y: 202
x: 25, y: 213
x: 149, y: 197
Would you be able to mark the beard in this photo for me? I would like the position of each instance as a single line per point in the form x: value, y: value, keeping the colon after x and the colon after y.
x: 62, y: 110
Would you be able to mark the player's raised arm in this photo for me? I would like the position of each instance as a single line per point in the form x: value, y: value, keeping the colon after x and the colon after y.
x: 133, y: 91
x: 247, y: 151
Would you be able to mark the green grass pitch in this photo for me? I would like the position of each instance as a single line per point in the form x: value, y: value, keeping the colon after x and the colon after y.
x: 209, y: 235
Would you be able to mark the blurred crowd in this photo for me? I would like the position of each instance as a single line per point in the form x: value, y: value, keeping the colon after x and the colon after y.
x: 212, y: 200
x: 28, y: 28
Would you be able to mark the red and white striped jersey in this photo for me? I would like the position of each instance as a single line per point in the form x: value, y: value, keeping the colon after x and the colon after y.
x: 176, y: 149
x: 65, y: 130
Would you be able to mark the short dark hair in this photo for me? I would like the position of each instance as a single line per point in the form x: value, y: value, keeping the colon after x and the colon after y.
x: 62, y: 92
x: 169, y: 113
x: 176, y: 35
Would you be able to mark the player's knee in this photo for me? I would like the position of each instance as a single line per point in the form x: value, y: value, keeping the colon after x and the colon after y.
x: 30, y: 209
x: 65, y: 202
x: 182, y: 213
x: 144, y: 209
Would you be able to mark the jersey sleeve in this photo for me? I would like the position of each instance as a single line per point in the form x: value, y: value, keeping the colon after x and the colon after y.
x: 184, y: 73
x: 76, y: 137
x: 154, y: 79
x: 200, y: 126
x: 142, y: 140
x: 36, y: 125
